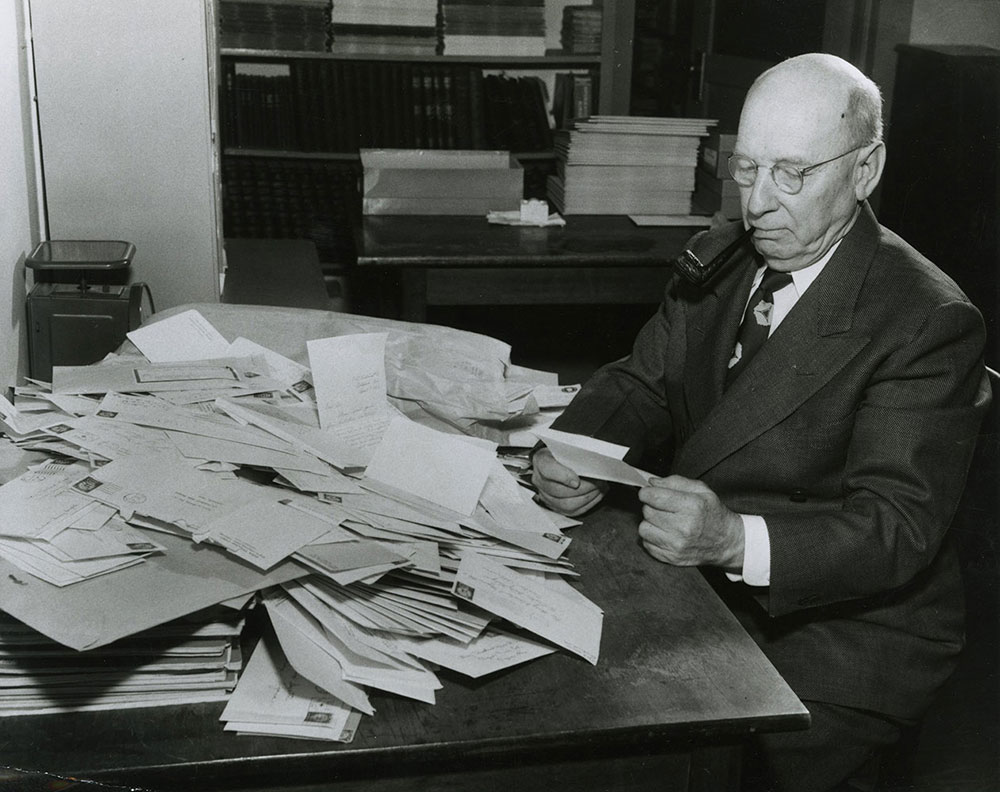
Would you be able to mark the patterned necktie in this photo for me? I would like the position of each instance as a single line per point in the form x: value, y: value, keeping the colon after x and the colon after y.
x: 756, y: 321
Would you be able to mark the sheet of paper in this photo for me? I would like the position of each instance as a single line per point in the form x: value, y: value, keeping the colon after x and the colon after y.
x: 37, y: 505
x: 592, y: 458
x: 349, y: 377
x: 263, y: 531
x: 490, y: 652
x: 550, y: 544
x: 550, y: 396
x: 195, y: 446
x: 137, y: 376
x: 358, y: 555
x: 152, y: 412
x: 184, y: 336
x: 312, y: 440
x: 330, y: 481
x: 25, y: 423
x: 113, y: 439
x: 523, y: 600
x: 443, y: 469
x: 114, y: 538
x: 534, y: 376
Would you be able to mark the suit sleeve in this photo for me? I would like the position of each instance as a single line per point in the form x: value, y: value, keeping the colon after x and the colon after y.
x: 625, y: 402
x: 911, y: 445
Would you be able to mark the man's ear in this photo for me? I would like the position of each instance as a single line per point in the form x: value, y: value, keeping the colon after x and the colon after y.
x: 868, y: 170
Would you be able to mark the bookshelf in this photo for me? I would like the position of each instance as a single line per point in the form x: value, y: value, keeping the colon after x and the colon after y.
x: 293, y: 120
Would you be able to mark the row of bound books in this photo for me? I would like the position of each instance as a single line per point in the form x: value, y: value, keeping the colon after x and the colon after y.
x: 341, y: 106
x: 317, y: 200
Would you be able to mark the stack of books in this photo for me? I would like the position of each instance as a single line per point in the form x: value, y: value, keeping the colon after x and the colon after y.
x: 385, y: 27
x: 482, y: 27
x: 581, y: 29
x: 410, y: 182
x: 275, y: 24
x: 627, y: 165
x: 715, y: 190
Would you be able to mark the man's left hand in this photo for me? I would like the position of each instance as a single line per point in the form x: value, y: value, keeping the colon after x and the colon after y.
x: 686, y: 524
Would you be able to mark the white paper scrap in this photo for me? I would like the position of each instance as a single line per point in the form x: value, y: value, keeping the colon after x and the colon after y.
x: 184, y: 336
x: 570, y: 622
x: 437, y: 467
x: 349, y: 376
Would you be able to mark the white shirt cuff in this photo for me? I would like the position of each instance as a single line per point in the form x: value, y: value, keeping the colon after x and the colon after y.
x: 756, y: 552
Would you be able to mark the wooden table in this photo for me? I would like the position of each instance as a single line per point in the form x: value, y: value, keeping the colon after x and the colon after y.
x: 678, y: 684
x: 441, y: 260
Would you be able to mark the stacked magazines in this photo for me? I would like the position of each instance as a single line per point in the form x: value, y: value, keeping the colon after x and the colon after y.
x: 627, y: 165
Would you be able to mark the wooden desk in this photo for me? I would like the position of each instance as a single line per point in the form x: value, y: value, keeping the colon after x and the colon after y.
x: 678, y: 684
x: 467, y: 261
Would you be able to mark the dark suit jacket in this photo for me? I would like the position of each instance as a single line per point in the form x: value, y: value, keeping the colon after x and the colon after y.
x: 851, y: 432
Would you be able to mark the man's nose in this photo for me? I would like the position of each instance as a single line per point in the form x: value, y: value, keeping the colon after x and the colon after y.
x: 762, y: 193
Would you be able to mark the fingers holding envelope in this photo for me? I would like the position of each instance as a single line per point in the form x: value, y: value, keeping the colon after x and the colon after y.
x: 685, y: 524
x: 561, y: 489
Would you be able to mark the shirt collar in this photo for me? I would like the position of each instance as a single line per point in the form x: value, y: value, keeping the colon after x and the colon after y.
x: 804, y: 277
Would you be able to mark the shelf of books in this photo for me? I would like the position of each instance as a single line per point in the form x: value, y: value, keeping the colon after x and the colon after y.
x: 305, y: 85
x: 342, y: 106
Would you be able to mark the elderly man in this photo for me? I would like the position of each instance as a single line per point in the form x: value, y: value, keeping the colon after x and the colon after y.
x: 813, y: 476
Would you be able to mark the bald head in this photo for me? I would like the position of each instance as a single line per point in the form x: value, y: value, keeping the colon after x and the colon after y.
x: 822, y: 91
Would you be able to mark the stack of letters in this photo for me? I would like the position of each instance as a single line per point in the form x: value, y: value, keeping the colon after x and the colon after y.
x: 356, y: 500
x: 185, y: 661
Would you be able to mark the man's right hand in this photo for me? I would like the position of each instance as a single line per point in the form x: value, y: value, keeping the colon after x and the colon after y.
x: 561, y: 489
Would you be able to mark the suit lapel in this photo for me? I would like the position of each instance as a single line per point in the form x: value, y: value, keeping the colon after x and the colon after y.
x: 810, y: 346
x: 712, y: 320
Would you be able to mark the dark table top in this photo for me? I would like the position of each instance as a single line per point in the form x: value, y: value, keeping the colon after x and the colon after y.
x: 675, y: 667
x: 461, y: 241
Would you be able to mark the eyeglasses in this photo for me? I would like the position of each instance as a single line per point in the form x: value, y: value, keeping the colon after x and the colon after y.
x: 787, y: 177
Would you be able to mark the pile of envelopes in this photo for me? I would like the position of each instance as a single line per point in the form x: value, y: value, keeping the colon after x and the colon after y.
x: 194, y: 659
x: 384, y: 543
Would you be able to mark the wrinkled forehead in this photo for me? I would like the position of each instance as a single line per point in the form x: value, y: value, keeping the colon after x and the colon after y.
x: 796, y: 117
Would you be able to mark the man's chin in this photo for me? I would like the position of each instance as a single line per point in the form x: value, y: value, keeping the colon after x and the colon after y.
x: 769, y: 244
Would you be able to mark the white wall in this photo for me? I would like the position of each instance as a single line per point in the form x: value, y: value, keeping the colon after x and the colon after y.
x: 124, y: 102
x: 18, y: 192
x: 956, y: 22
